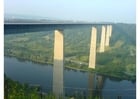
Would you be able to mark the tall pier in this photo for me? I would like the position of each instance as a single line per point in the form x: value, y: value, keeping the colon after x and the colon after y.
x: 58, y: 64
x: 102, y: 42
x: 110, y: 30
x: 107, y: 36
x: 92, y: 56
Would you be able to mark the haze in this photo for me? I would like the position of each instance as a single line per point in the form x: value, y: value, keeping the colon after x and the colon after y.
x: 123, y: 11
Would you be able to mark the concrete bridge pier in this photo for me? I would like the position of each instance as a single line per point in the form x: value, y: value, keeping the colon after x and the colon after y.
x: 102, y: 42
x: 107, y: 36
x: 92, y: 56
x: 58, y: 64
x: 110, y: 30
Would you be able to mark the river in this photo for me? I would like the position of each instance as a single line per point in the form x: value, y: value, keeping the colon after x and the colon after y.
x: 75, y: 82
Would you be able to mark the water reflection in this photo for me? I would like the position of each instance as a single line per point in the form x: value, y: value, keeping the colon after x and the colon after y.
x: 99, y: 85
x: 58, y: 78
x: 91, y: 82
x: 95, y: 85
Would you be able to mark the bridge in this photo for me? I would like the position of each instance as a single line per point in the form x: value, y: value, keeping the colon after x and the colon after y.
x: 22, y: 28
x: 59, y: 45
x: 105, y: 35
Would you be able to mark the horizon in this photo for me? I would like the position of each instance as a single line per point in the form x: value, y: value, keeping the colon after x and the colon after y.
x: 13, y: 17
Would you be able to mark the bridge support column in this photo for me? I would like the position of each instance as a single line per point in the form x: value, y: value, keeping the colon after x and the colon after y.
x: 102, y: 42
x: 110, y: 30
x: 107, y: 36
x: 92, y: 56
x: 58, y: 64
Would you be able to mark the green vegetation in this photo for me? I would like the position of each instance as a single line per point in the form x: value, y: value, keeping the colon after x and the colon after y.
x: 119, y: 60
x: 16, y: 90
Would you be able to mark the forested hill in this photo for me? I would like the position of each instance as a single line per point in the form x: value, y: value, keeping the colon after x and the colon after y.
x: 124, y: 32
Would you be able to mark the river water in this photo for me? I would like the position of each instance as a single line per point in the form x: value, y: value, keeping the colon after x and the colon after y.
x: 75, y: 82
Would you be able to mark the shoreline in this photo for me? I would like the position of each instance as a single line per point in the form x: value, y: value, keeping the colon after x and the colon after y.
x: 77, y: 69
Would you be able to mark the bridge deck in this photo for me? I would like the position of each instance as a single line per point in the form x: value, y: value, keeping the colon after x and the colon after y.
x: 22, y: 28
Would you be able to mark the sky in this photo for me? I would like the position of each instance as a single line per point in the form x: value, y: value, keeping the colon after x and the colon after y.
x: 123, y: 11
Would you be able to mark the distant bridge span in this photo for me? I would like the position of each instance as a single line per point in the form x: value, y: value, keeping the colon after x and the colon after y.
x: 25, y: 28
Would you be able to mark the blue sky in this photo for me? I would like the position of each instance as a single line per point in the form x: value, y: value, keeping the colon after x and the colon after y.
x: 86, y: 10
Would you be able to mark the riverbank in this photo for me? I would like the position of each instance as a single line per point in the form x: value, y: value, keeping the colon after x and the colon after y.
x: 119, y: 77
x: 99, y: 70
